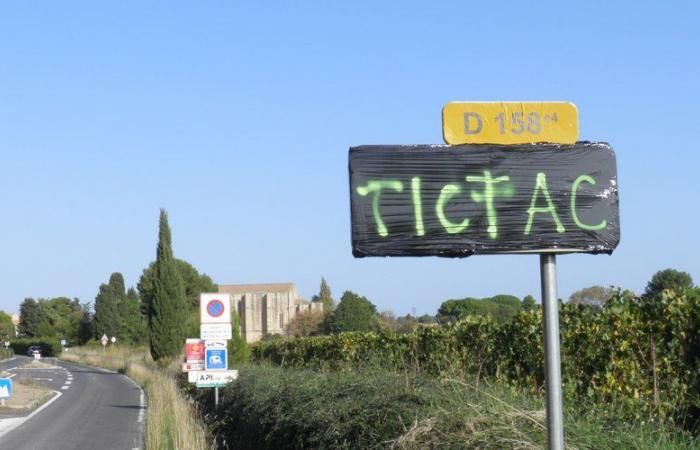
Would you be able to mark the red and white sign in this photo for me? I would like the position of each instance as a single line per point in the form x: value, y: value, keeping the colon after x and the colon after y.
x: 194, y: 350
x: 215, y: 308
x: 192, y: 366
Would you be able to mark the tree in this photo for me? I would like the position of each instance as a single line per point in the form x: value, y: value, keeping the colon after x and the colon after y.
x: 108, y: 321
x: 135, y: 326
x: 194, y: 284
x: 116, y: 282
x: 7, y: 328
x: 30, y: 316
x: 500, y: 307
x: 386, y: 321
x: 426, y: 319
x: 668, y: 279
x: 307, y: 323
x: 167, y: 311
x: 407, y: 323
x: 61, y: 318
x: 86, y: 329
x: 529, y: 303
x: 353, y: 313
x: 238, y: 349
x: 595, y: 296
x: 324, y: 296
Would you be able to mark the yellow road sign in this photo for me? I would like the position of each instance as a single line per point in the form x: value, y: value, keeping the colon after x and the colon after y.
x: 509, y: 122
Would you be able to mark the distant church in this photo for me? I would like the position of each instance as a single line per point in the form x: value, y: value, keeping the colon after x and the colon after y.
x: 266, y: 308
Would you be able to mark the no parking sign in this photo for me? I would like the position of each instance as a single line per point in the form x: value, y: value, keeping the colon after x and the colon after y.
x: 215, y: 308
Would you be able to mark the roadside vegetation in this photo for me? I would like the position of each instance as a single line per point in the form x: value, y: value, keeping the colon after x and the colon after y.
x: 172, y: 421
x: 350, y: 376
x: 283, y: 408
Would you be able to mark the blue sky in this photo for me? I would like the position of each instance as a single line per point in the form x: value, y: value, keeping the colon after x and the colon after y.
x: 237, y: 119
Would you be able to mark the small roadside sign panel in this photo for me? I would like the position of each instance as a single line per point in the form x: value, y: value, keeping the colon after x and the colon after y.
x: 194, y: 350
x: 192, y: 366
x: 215, y: 331
x: 220, y: 343
x: 509, y: 122
x: 215, y: 308
x: 216, y: 359
x: 457, y: 201
x: 5, y: 387
x: 219, y: 378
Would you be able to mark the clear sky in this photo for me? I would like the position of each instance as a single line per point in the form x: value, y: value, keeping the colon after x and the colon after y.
x: 237, y: 119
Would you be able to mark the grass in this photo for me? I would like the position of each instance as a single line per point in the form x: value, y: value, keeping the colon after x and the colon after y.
x: 277, y: 408
x: 6, y: 353
x: 172, y: 422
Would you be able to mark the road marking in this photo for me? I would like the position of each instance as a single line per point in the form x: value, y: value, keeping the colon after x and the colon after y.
x: 12, y: 375
x: 65, y: 387
x: 142, y: 401
x: 45, y: 379
x: 7, y: 425
x: 69, y: 382
x: 142, y: 406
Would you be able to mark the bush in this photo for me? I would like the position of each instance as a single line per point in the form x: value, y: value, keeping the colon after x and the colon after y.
x: 640, y: 354
x: 49, y: 346
x: 276, y: 408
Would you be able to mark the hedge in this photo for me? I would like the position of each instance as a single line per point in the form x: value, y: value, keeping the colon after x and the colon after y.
x: 49, y: 346
x: 638, y: 353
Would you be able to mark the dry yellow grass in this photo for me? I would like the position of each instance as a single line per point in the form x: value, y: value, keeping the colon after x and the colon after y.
x: 171, y: 421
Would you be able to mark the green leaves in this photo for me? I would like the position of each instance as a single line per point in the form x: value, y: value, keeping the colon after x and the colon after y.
x: 613, y: 356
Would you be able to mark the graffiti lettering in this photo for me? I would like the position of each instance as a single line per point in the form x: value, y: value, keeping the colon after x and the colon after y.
x: 468, y: 199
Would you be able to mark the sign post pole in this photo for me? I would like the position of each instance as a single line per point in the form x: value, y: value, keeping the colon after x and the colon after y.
x: 216, y: 398
x: 550, y: 312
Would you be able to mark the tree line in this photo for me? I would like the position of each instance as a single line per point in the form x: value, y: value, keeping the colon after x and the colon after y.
x: 355, y: 312
x: 161, y: 310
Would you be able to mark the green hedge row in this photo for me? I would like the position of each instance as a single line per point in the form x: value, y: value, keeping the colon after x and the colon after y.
x: 642, y: 354
x: 49, y: 347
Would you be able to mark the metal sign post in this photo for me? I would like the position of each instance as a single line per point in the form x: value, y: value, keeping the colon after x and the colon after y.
x: 216, y: 398
x: 550, y: 313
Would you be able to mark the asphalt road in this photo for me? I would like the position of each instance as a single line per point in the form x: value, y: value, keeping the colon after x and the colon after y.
x: 94, y: 409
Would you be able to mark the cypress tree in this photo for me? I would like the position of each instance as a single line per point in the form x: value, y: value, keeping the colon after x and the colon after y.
x: 86, y: 328
x: 107, y: 320
x: 116, y: 282
x: 167, y: 313
x: 325, y: 297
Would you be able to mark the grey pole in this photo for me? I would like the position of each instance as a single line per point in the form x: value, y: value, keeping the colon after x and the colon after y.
x: 550, y: 310
x: 216, y: 398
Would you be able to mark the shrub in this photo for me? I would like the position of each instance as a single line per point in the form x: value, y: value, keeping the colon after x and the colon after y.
x: 276, y: 408
x: 49, y: 346
x: 640, y: 354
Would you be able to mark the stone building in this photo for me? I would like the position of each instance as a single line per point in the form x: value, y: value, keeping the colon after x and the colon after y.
x: 266, y: 308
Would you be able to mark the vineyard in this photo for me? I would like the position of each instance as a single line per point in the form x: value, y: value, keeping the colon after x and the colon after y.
x: 638, y: 356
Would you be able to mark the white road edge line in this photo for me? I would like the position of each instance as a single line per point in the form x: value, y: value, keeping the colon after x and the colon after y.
x: 24, y: 419
x: 65, y: 387
x: 69, y: 382
x: 142, y: 401
x: 142, y: 406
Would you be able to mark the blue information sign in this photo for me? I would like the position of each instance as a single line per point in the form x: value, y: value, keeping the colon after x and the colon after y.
x: 5, y: 387
x: 215, y: 359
